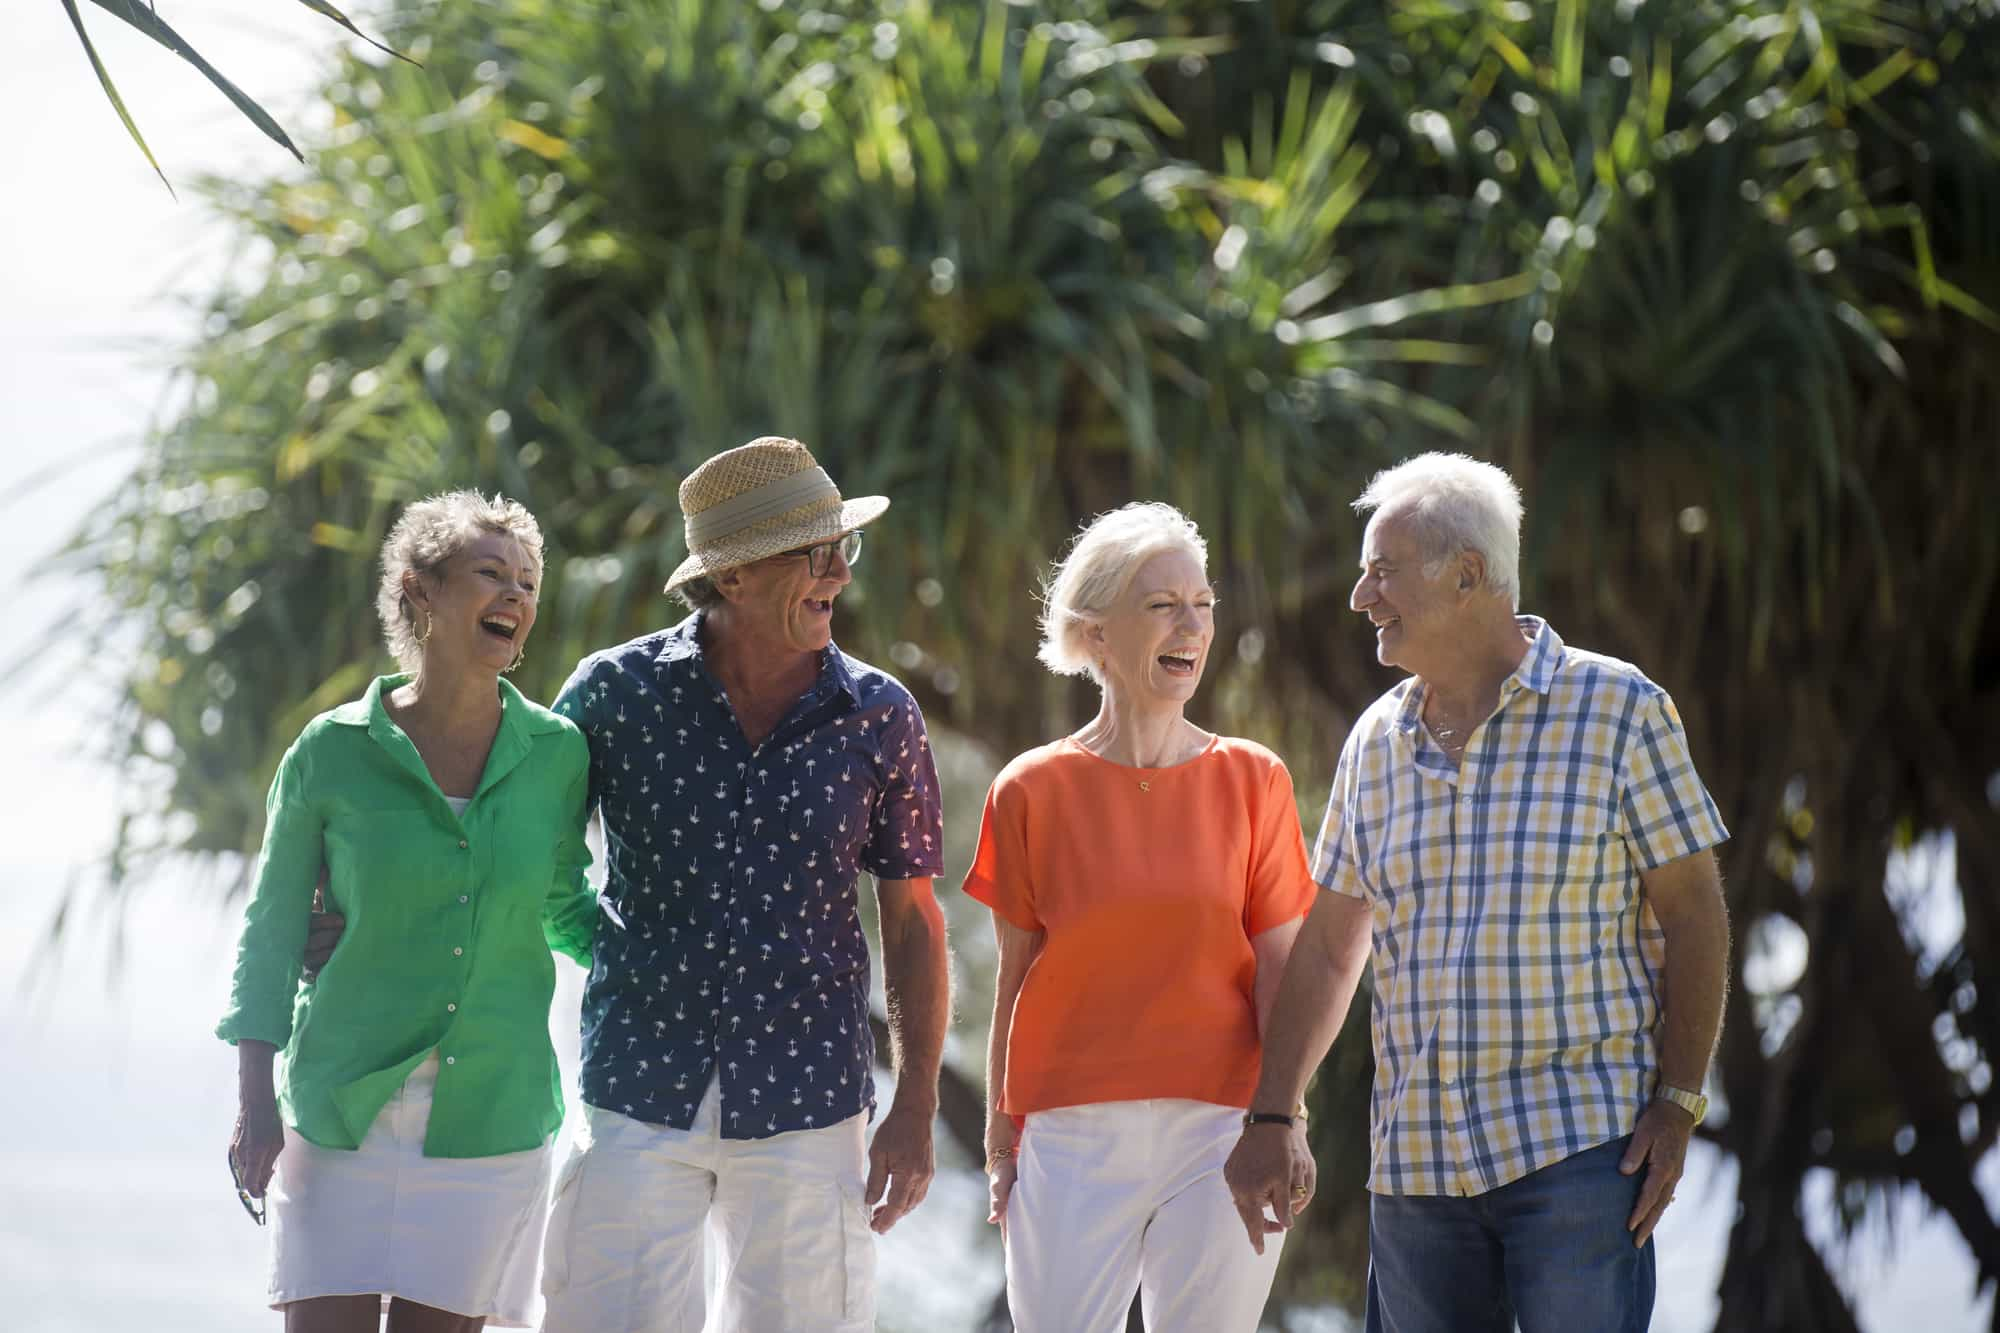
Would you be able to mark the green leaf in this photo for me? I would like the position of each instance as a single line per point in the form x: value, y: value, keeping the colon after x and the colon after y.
x: 322, y: 7
x: 149, y: 22
x: 111, y: 91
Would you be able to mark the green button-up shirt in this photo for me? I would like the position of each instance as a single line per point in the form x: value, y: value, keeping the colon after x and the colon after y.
x: 450, y: 920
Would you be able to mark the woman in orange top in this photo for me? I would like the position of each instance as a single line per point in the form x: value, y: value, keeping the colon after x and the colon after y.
x: 1147, y: 879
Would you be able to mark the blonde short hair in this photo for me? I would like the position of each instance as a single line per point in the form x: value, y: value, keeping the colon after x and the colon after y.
x: 1095, y: 571
x: 1455, y: 504
x: 429, y: 533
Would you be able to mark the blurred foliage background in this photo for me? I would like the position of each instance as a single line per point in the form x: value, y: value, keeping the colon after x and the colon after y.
x: 1716, y: 281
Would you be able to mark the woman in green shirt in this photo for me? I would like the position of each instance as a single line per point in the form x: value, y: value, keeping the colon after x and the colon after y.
x: 447, y: 814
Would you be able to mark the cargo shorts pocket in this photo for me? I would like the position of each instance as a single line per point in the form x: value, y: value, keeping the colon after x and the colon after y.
x: 562, y: 1215
x: 857, y: 1252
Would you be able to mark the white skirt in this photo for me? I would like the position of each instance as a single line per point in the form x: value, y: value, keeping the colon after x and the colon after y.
x: 462, y: 1234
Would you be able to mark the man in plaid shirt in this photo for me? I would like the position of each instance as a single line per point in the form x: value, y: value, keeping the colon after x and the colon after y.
x: 1518, y: 831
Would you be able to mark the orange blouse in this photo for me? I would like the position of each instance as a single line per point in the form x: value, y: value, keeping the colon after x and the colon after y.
x: 1149, y: 884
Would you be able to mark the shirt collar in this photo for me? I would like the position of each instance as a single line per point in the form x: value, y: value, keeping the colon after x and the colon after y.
x: 682, y: 643
x: 1544, y: 660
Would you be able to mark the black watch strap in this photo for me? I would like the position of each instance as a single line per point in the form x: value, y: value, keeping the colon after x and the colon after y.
x: 1267, y: 1118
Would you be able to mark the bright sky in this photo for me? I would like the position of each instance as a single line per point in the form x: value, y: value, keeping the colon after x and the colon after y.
x: 118, y: 1211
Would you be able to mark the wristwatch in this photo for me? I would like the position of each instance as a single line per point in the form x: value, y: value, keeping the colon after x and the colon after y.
x: 1268, y: 1118
x: 1694, y: 1103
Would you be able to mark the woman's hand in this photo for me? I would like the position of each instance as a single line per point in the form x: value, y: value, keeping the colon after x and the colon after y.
x: 259, y: 1138
x: 1306, y: 1172
x: 260, y: 1134
x: 999, y: 1185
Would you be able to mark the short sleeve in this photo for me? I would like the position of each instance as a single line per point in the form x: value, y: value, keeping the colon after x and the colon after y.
x: 575, y: 702
x: 908, y: 840
x: 1335, y: 864
x: 271, y: 951
x: 1000, y: 876
x: 1281, y: 887
x: 1664, y: 811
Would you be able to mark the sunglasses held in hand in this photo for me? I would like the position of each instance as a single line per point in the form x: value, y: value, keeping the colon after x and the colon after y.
x: 254, y: 1207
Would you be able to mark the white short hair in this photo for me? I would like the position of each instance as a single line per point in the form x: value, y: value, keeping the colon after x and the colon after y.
x: 1094, y: 573
x: 1455, y: 504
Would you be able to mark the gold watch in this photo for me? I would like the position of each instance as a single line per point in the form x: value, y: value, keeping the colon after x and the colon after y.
x: 1694, y: 1103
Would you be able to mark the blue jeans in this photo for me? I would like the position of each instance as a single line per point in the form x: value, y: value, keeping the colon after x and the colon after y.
x: 1550, y: 1250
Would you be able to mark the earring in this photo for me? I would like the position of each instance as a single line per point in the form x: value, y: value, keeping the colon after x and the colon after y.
x: 425, y: 637
x: 519, y: 658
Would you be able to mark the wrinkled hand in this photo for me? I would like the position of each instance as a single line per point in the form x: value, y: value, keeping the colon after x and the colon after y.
x: 1265, y: 1169
x: 254, y: 1147
x: 999, y: 1186
x: 900, y: 1166
x: 1660, y: 1144
x: 323, y: 931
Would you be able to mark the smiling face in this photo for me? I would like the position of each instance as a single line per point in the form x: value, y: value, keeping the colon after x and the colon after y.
x: 1416, y: 616
x: 779, y: 601
x: 1154, y: 639
x: 481, y: 603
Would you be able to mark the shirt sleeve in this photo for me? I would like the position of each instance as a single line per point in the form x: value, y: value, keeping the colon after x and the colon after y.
x: 1000, y: 876
x: 1664, y: 811
x: 569, y: 914
x: 1281, y: 886
x: 270, y: 953
x: 1336, y: 865
x: 908, y: 840
x: 575, y: 703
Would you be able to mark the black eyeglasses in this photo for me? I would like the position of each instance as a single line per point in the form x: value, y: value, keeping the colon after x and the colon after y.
x: 819, y: 558
x: 254, y: 1207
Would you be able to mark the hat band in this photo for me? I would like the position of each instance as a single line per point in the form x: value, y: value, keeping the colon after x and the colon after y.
x: 772, y: 499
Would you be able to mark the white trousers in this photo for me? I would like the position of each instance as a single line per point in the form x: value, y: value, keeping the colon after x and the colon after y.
x: 636, y: 1202
x: 1118, y: 1196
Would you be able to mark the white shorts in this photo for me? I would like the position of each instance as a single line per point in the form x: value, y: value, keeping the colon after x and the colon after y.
x: 636, y: 1202
x: 459, y: 1233
x: 1117, y: 1197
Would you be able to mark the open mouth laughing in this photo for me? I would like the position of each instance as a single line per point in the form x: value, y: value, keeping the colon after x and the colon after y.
x: 501, y: 626
x: 1181, y: 662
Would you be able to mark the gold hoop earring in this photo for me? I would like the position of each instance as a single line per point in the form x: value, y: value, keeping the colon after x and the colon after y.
x: 425, y: 637
x: 519, y: 658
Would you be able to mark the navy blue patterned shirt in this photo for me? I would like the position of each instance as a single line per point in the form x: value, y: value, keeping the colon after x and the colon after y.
x: 732, y: 940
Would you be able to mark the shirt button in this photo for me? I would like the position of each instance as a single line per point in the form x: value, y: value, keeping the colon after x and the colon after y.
x: 463, y: 898
x: 451, y: 1059
x: 463, y: 844
x: 451, y: 1008
x: 457, y: 952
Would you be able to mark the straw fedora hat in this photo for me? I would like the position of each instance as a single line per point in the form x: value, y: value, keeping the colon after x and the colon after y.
x: 759, y: 499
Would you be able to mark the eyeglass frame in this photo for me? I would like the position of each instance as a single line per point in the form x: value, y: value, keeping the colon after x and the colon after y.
x: 819, y: 556
x: 257, y: 1208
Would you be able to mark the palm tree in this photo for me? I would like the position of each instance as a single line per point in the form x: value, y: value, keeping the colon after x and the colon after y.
x: 1715, y: 282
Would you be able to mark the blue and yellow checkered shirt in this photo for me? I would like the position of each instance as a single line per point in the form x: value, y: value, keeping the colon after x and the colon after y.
x: 1518, y: 970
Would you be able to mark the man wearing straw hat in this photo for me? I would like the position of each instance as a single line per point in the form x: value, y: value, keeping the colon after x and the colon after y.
x: 747, y: 771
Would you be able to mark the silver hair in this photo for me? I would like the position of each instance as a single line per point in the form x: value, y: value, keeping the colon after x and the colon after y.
x: 699, y: 594
x: 429, y: 533
x: 1455, y: 504
x: 1094, y: 573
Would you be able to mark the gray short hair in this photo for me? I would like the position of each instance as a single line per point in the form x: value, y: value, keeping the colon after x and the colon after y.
x: 1095, y: 572
x: 1455, y: 504
x: 429, y: 533
x: 699, y: 594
